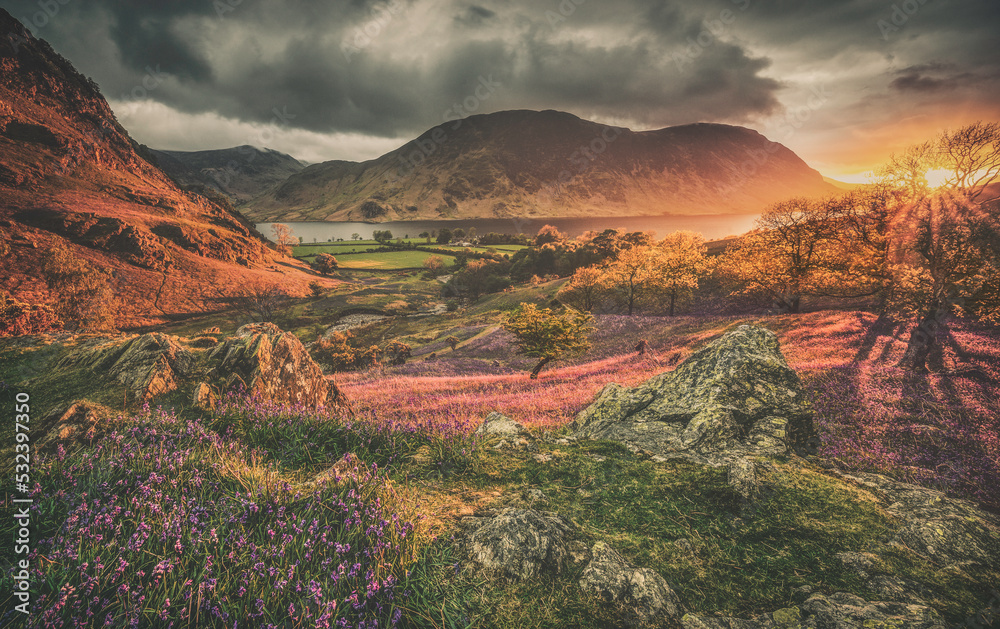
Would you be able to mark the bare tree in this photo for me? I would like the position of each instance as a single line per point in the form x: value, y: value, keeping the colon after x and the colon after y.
x: 257, y: 302
x: 971, y: 155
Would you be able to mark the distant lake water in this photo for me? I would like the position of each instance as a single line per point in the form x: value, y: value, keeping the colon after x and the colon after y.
x: 712, y: 227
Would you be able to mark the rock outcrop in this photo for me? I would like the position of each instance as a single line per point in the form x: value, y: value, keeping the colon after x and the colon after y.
x: 260, y: 359
x: 645, y: 595
x: 948, y: 531
x: 735, y: 396
x: 80, y: 422
x: 519, y: 543
x: 273, y: 365
x: 840, y: 611
x: 149, y: 365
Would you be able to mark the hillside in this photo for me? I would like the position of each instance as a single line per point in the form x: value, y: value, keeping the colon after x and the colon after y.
x: 71, y: 175
x: 552, y: 164
x: 241, y: 172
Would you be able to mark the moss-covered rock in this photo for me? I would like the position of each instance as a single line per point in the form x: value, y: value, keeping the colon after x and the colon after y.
x: 737, y: 394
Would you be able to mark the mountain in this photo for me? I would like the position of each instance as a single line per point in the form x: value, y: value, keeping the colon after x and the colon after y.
x: 241, y: 172
x: 71, y: 176
x: 552, y: 164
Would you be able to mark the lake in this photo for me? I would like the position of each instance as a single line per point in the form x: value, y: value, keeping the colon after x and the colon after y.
x: 712, y: 227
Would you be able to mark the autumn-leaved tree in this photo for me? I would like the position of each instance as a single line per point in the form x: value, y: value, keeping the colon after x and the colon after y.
x: 630, y: 278
x: 283, y: 238
x: 679, y: 262
x: 546, y: 335
x: 325, y: 263
x: 583, y: 290
x: 787, y: 255
x: 946, y: 262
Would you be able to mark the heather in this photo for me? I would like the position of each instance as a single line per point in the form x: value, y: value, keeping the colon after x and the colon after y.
x: 167, y: 523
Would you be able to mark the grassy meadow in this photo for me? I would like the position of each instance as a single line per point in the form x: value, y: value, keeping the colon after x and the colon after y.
x: 177, y: 517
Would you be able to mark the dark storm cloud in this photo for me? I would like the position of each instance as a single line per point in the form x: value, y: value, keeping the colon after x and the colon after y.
x: 396, y: 67
x: 932, y: 77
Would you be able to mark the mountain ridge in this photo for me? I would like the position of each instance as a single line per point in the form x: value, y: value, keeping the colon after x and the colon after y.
x: 240, y: 172
x: 71, y: 176
x: 526, y: 163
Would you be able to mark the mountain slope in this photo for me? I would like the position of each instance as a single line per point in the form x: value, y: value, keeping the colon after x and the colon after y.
x: 241, y: 172
x: 549, y: 163
x: 71, y: 176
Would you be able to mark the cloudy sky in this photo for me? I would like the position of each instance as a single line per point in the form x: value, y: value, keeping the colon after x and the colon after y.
x: 841, y: 82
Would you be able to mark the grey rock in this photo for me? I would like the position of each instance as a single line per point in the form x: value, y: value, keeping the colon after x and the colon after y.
x: 736, y: 394
x: 949, y: 531
x: 642, y: 592
x: 887, y: 586
x: 847, y: 610
x: 499, y: 425
x: 519, y: 543
x: 742, y: 477
x: 837, y: 611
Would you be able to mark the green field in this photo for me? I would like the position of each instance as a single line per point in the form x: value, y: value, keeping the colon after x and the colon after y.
x: 386, y: 260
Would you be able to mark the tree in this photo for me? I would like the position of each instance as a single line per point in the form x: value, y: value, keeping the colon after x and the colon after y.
x: 630, y: 277
x: 471, y: 234
x: 546, y: 335
x: 971, y: 155
x: 382, y: 236
x: 583, y: 289
x: 458, y: 234
x: 947, y: 262
x: 84, y: 297
x: 324, y: 263
x: 549, y: 234
x: 444, y: 236
x: 434, y: 265
x: 426, y: 235
x: 679, y: 263
x: 257, y: 301
x: 452, y: 341
x: 283, y: 238
x: 355, y: 236
x: 787, y: 255
x: 969, y: 158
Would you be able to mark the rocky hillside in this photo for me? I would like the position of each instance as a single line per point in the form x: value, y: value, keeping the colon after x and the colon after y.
x: 552, y: 164
x: 241, y: 172
x: 70, y: 175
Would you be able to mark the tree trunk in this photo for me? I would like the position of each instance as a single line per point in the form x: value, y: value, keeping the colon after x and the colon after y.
x: 673, y: 300
x: 923, y: 337
x: 538, y: 367
x: 788, y: 303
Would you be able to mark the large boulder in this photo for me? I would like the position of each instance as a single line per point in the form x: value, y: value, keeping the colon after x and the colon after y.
x: 736, y: 395
x: 839, y: 611
x: 273, y: 365
x: 643, y: 594
x: 519, y: 543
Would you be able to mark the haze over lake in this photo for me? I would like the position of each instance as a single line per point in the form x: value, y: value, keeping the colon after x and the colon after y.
x: 712, y: 227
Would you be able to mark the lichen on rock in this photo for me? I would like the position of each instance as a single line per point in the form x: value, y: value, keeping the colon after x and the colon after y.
x: 519, y: 543
x: 645, y: 596
x: 735, y: 395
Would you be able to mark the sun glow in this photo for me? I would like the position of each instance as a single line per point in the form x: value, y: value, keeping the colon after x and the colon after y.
x: 937, y: 177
